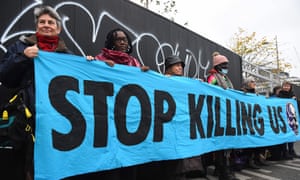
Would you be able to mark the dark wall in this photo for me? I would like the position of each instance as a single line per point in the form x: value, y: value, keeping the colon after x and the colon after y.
x: 86, y: 23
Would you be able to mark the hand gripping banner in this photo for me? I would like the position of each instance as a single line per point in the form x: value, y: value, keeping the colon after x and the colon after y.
x: 92, y: 117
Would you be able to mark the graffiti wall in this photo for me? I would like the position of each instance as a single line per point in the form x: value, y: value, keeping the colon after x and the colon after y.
x: 86, y: 23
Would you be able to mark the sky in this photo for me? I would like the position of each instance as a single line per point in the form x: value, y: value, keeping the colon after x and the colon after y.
x: 219, y: 20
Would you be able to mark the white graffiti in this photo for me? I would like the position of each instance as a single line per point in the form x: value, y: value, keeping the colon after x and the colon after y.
x: 191, y: 61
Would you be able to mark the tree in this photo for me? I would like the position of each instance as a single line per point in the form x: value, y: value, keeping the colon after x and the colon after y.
x: 261, y: 52
x: 165, y: 8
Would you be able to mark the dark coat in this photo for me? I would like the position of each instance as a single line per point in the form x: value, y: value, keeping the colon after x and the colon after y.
x: 17, y: 70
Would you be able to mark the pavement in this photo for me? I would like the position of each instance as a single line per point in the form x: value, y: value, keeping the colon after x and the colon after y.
x: 277, y: 170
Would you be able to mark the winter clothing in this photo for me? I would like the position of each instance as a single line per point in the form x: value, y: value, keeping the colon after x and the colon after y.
x: 17, y: 74
x: 118, y: 57
x: 221, y: 158
x: 216, y: 78
x: 170, y: 60
x: 219, y: 59
x: 255, y: 156
x: 17, y: 71
x: 287, y: 149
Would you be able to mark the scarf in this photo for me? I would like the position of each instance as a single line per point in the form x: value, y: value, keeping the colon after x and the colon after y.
x: 286, y: 94
x: 222, y: 79
x: 118, y: 57
x: 47, y: 43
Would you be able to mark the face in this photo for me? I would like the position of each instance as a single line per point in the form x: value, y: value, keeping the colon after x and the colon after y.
x: 175, y: 69
x: 286, y: 87
x: 47, y: 26
x: 121, y: 42
x: 252, y: 84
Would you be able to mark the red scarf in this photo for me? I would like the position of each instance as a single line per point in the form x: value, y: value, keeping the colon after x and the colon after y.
x: 47, y: 43
x: 118, y: 57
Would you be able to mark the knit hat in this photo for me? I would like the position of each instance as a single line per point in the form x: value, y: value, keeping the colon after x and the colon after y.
x: 219, y: 59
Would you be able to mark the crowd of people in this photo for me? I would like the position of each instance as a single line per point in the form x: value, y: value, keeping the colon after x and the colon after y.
x: 17, y: 72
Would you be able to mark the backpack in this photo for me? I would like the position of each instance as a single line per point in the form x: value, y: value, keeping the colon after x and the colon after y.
x: 16, y: 139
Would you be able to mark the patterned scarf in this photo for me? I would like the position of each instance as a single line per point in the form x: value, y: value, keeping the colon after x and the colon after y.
x: 222, y: 80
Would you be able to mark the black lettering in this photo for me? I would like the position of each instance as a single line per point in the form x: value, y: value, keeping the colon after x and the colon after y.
x: 99, y: 91
x: 159, y: 116
x: 246, y: 118
x: 274, y: 125
x: 219, y: 130
x: 230, y: 131
x: 210, y: 117
x: 58, y: 88
x: 195, y: 119
x: 238, y: 117
x: 122, y: 98
x: 283, y: 127
x: 258, y: 120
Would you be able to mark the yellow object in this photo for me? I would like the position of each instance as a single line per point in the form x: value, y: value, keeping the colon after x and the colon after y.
x: 27, y: 113
x: 33, y: 138
x: 4, y: 115
x: 13, y: 98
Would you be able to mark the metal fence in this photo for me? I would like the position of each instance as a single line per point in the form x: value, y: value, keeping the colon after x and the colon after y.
x: 265, y: 80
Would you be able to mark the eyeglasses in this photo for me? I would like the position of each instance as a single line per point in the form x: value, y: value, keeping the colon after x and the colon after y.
x: 124, y: 39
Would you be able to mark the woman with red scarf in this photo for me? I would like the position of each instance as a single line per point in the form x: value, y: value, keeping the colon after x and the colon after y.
x: 17, y: 68
x: 118, y: 47
x: 17, y: 73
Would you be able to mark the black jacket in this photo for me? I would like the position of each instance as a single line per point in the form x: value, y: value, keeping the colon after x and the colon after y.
x: 17, y: 70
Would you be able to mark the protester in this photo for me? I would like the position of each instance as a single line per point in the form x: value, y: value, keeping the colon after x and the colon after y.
x: 117, y: 50
x: 174, y: 66
x: 118, y: 47
x: 188, y: 167
x: 179, y: 169
x: 255, y: 156
x: 275, y: 150
x: 17, y: 67
x: 218, y: 76
x: 275, y: 91
x: 288, y: 151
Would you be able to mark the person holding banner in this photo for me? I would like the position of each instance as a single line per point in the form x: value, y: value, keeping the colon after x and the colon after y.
x: 218, y: 76
x: 172, y: 169
x: 17, y: 67
x: 118, y: 47
x: 117, y: 50
x: 288, y: 151
x: 188, y: 167
x: 255, y: 156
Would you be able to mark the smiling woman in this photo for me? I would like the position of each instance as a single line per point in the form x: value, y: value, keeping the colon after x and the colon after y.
x: 118, y: 47
x: 17, y: 72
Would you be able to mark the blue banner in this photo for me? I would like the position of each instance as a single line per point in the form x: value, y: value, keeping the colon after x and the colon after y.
x: 92, y: 117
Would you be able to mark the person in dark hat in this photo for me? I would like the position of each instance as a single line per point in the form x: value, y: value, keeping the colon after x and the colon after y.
x: 188, y: 167
x: 174, y: 66
x: 165, y: 169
